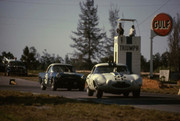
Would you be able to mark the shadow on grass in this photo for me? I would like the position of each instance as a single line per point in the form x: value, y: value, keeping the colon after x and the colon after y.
x: 143, y: 100
x: 19, y: 98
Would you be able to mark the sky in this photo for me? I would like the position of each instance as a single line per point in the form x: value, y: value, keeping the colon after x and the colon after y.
x: 48, y: 24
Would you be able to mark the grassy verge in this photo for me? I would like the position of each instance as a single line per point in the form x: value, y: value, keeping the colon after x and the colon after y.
x: 172, y: 90
x: 17, y: 106
x: 155, y: 86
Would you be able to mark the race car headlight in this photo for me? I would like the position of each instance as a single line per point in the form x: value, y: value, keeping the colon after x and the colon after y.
x: 97, y: 83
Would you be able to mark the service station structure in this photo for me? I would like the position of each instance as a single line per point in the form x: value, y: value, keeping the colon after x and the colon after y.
x: 127, y: 50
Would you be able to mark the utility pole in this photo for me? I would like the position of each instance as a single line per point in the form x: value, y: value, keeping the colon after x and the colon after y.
x: 151, y: 58
x: 151, y: 52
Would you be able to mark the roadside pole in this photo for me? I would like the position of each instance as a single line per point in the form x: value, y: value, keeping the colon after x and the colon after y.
x: 161, y: 26
x: 151, y: 58
x: 151, y: 52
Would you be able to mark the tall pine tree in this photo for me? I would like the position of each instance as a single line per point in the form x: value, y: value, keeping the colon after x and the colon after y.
x: 109, y: 44
x: 113, y: 16
x: 88, y: 40
x: 174, y: 45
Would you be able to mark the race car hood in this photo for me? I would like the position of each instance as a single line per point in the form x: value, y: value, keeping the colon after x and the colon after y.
x: 113, y: 77
x: 68, y: 74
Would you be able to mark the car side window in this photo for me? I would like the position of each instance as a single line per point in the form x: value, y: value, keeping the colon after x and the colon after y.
x: 49, y: 69
x: 56, y: 68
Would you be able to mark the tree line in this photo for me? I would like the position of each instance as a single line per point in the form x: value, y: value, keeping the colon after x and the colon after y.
x: 92, y: 45
x: 32, y: 59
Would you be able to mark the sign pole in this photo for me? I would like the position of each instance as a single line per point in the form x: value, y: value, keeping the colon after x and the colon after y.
x: 161, y: 25
x: 151, y: 58
x: 151, y: 52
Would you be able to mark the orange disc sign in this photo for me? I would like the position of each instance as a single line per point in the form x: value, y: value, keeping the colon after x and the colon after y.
x: 162, y: 24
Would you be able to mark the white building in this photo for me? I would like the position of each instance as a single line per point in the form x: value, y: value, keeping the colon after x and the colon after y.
x: 127, y: 50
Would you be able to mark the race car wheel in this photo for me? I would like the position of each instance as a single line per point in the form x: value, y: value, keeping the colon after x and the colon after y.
x: 99, y: 93
x: 53, y: 85
x: 42, y: 86
x: 81, y: 88
x: 89, y: 92
x: 69, y: 88
x: 126, y: 94
x: 136, y: 93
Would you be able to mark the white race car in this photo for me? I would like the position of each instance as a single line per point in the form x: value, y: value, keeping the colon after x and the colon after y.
x: 113, y: 78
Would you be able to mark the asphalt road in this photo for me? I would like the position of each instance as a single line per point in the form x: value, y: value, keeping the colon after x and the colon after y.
x: 162, y: 102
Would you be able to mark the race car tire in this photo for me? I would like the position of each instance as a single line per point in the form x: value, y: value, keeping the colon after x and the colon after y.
x: 90, y: 92
x: 99, y: 94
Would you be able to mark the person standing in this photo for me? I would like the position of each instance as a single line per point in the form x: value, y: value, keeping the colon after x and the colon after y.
x: 132, y: 31
x: 120, y: 30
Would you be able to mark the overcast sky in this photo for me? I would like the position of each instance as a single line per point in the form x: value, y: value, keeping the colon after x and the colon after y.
x: 48, y: 24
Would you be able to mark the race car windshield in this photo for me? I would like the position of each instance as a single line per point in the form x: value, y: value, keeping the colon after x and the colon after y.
x: 109, y: 69
x: 63, y: 69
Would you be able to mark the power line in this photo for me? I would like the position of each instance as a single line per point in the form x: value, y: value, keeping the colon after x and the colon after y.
x: 154, y: 12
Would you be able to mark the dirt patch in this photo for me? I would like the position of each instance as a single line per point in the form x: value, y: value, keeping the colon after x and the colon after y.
x: 155, y: 86
x: 178, y: 83
x: 151, y: 83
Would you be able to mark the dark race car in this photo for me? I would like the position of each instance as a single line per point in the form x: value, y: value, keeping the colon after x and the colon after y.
x: 60, y: 75
x: 15, y: 67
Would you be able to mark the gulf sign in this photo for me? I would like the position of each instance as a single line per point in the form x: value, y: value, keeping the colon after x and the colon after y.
x: 162, y: 24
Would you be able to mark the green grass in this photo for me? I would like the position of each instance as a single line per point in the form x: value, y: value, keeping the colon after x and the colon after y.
x: 18, y: 106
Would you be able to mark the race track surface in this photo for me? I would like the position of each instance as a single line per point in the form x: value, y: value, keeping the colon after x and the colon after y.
x: 169, y: 103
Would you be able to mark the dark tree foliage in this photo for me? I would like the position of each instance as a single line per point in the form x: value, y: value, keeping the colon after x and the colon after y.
x: 88, y: 40
x: 159, y: 62
x: 47, y: 59
x: 29, y: 57
x: 174, y: 45
x: 33, y: 60
x: 156, y: 61
x: 165, y: 60
x: 109, y: 41
x: 144, y: 64
x: 113, y: 17
x: 8, y: 55
x: 4, y: 55
x: 67, y: 60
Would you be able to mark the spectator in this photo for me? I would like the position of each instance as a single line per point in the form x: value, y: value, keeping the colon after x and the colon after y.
x: 132, y: 31
x: 120, y: 30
